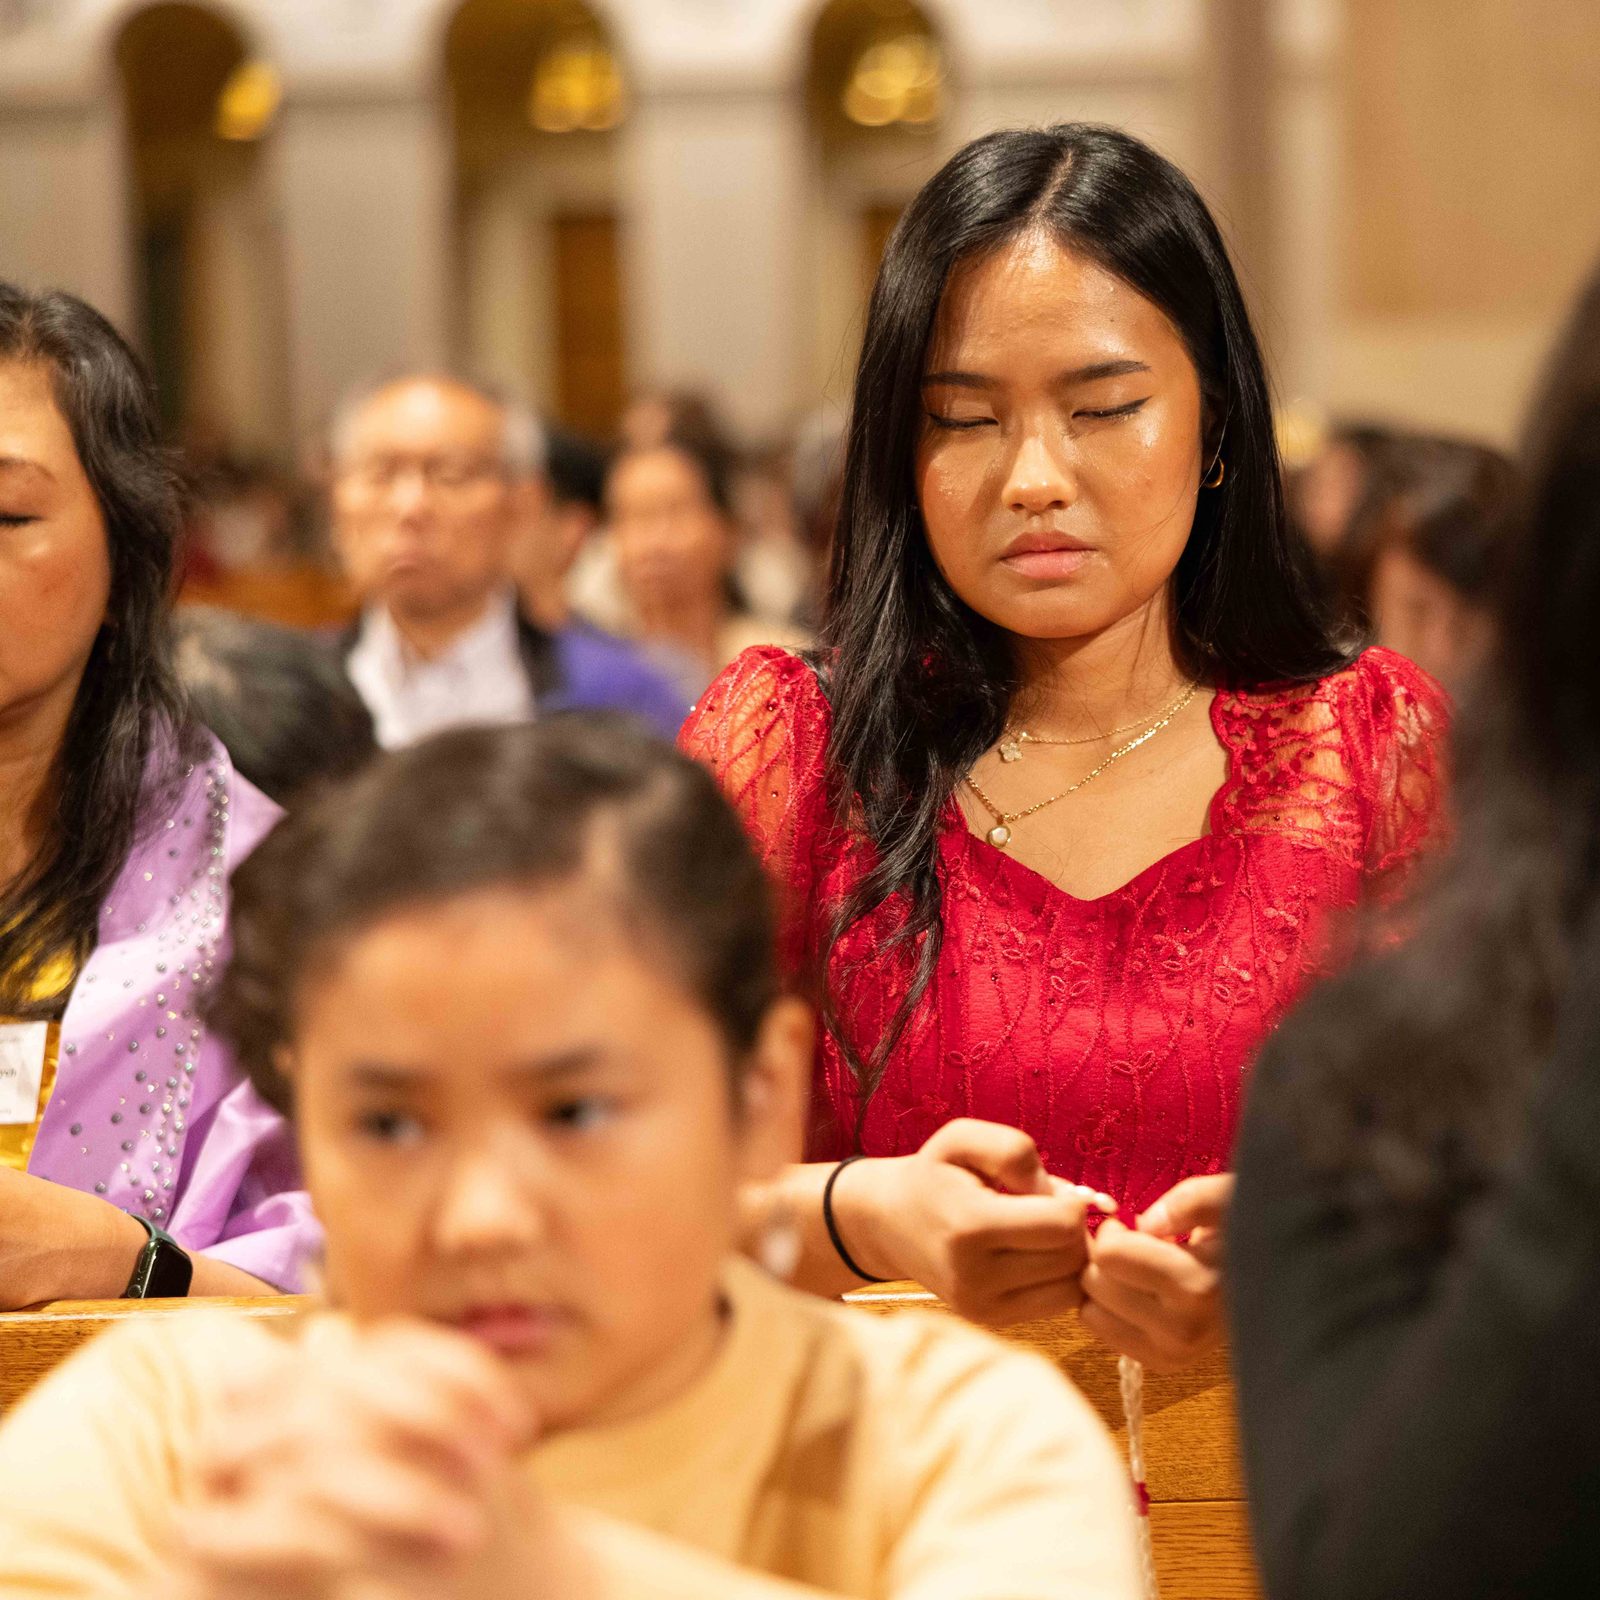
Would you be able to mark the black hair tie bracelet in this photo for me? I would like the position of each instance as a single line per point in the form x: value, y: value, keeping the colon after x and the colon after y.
x: 833, y: 1226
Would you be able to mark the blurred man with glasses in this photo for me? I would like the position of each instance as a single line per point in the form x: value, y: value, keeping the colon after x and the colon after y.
x: 432, y: 477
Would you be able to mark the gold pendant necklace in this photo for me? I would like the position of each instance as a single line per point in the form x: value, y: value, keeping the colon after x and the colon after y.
x: 1010, y: 747
x: 1000, y: 834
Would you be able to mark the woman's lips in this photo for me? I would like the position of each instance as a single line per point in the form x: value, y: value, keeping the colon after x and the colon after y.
x: 513, y: 1330
x: 1056, y: 564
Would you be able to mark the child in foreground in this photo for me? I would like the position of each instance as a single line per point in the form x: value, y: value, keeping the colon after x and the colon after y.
x: 517, y: 989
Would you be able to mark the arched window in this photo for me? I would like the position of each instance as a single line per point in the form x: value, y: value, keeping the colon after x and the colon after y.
x: 536, y: 91
x: 198, y: 101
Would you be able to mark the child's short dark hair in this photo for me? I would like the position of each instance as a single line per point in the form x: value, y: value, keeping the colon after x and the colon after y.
x: 568, y: 797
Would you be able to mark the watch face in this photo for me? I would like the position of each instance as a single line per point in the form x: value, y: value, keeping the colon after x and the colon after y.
x: 164, y: 1271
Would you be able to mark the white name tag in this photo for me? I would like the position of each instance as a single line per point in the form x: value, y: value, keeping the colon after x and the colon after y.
x: 21, y: 1069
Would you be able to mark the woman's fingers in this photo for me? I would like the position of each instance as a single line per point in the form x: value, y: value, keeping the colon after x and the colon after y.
x: 1049, y: 1298
x: 1004, y: 1157
x: 1138, y: 1305
x: 1151, y: 1299
x: 1195, y: 1203
x: 1125, y: 1337
x: 1155, y: 1265
x: 1024, y: 1222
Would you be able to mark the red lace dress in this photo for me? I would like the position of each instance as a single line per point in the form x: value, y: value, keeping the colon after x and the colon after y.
x: 1116, y: 1031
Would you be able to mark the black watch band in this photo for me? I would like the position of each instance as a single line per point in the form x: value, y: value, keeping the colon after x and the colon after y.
x: 163, y: 1270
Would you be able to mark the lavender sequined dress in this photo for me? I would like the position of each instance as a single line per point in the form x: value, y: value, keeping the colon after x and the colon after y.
x: 148, y: 1110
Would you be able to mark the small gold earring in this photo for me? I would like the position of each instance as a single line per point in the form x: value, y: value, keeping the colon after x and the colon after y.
x: 1219, y: 470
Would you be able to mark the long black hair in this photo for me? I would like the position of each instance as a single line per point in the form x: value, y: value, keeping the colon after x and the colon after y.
x: 920, y: 684
x: 128, y: 703
x: 1411, y: 1072
x: 580, y: 795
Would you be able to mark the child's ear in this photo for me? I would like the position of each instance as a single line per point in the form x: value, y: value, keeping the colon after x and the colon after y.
x: 776, y: 1091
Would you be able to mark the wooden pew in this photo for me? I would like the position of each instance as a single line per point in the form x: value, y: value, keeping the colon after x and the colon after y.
x: 34, y: 1341
x: 1198, y: 1523
x: 1199, y: 1527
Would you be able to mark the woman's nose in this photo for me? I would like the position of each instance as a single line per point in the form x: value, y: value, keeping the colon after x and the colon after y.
x: 1040, y: 479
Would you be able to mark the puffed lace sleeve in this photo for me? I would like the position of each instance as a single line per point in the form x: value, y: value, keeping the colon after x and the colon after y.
x: 762, y: 729
x: 1405, y: 723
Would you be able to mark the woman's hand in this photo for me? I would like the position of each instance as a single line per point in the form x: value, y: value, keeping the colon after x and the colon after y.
x: 974, y: 1217
x: 1152, y: 1298
x: 59, y: 1244
x: 377, y: 1458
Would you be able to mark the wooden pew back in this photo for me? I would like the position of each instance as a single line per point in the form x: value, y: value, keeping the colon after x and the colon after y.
x: 1198, y: 1523
x: 34, y: 1341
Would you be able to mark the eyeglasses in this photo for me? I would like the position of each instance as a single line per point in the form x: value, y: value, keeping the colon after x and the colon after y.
x: 442, y: 474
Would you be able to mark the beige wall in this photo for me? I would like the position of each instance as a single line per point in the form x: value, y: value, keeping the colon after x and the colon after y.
x: 1471, y: 202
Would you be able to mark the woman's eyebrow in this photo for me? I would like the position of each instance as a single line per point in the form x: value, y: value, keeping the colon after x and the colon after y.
x: 1085, y: 374
x: 25, y: 464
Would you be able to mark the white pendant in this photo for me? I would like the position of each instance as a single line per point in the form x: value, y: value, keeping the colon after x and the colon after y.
x: 1010, y: 750
x: 999, y: 836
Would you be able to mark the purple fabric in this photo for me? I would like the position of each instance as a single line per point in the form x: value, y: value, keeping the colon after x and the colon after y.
x: 148, y: 1109
x: 597, y: 671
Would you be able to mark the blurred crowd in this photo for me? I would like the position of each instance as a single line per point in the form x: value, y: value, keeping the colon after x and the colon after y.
x: 673, y: 544
x: 444, y: 555
x: 1407, y: 529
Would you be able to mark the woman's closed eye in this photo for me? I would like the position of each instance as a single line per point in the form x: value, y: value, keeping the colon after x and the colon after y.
x: 961, y: 424
x: 1111, y: 413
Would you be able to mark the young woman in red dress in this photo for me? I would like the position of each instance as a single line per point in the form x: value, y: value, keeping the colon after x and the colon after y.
x: 1065, y: 805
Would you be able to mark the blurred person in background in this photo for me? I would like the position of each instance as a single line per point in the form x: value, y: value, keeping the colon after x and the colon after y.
x: 1326, y: 494
x: 1429, y: 553
x: 431, y: 477
x: 657, y: 415
x: 555, y: 530
x: 773, y: 565
x: 243, y: 519
x: 1415, y: 1252
x: 672, y: 528
x: 276, y: 697
x: 134, y: 1158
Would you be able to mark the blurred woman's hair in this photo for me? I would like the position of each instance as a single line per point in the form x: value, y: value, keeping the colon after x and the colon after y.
x: 715, y: 462
x: 1446, y: 502
x: 586, y: 799
x: 129, y: 709
x: 277, y: 698
x: 920, y: 684
x: 576, y: 468
x: 1428, y: 1050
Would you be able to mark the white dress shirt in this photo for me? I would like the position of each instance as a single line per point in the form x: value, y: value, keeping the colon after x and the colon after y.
x: 479, y: 678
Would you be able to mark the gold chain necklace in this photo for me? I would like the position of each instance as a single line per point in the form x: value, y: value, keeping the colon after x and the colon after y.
x: 1000, y: 834
x: 1010, y: 747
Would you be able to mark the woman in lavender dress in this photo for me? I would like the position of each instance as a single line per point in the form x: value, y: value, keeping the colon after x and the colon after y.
x: 121, y: 1120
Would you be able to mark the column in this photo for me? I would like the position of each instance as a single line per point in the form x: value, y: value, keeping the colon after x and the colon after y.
x: 63, y: 214
x: 364, y: 193
x: 713, y: 193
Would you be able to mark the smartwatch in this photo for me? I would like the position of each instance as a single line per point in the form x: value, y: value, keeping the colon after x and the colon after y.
x: 163, y: 1270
